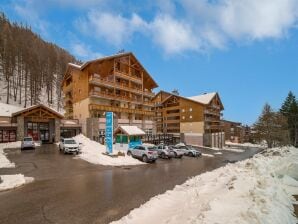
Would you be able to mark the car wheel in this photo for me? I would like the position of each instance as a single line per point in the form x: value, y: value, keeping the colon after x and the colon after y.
x: 129, y: 153
x: 145, y: 159
x: 77, y: 152
x: 163, y: 156
x: 190, y: 154
x: 175, y: 153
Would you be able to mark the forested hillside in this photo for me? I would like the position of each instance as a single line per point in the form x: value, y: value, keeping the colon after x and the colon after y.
x: 31, y: 70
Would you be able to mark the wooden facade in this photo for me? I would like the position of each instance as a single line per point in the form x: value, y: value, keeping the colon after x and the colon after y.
x: 234, y: 132
x: 117, y: 83
x: 176, y: 114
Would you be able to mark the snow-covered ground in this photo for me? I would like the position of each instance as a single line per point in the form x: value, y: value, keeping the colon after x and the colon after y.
x: 256, y: 190
x: 12, y: 181
x: 4, y: 162
x: 92, y: 152
x: 207, y: 155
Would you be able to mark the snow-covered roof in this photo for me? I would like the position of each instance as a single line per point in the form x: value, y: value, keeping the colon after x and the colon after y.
x: 131, y: 130
x: 36, y: 106
x: 204, y: 98
x: 75, y: 65
x: 6, y: 110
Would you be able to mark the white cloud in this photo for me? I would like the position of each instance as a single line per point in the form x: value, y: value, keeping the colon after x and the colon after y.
x: 172, y: 35
x: 258, y: 19
x: 84, y: 52
x: 244, y: 19
x: 113, y: 28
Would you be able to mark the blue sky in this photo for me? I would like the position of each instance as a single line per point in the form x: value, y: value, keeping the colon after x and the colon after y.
x: 247, y: 50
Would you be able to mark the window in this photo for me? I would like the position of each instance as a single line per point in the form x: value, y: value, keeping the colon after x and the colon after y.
x: 190, y: 117
x: 183, y: 117
x: 190, y: 109
x: 183, y: 110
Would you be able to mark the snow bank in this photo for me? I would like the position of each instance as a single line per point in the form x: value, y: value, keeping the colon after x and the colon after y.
x: 4, y: 162
x: 92, y: 153
x: 12, y: 181
x: 257, y: 190
x: 207, y: 155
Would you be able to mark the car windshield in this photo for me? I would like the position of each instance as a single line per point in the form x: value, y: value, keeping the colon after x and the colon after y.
x: 28, y: 140
x: 70, y: 141
x: 152, y: 148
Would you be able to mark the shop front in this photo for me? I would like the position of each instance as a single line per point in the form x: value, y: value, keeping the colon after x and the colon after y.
x: 39, y: 122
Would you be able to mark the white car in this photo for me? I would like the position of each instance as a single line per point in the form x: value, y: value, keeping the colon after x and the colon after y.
x: 69, y: 145
x: 27, y: 143
x: 147, y: 153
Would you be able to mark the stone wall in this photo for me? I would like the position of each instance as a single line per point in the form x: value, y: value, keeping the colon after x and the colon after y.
x: 57, y: 130
x: 20, y: 129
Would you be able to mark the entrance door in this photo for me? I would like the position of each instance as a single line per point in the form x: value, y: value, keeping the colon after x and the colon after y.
x: 44, y: 135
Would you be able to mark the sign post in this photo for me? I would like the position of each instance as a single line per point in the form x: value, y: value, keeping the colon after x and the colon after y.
x: 109, y: 132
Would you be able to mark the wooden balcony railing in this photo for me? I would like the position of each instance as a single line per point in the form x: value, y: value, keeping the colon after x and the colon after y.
x: 128, y: 77
x: 118, y: 85
x: 120, y: 109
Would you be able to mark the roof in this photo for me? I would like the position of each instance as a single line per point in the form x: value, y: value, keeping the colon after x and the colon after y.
x: 6, y: 110
x: 204, y: 98
x: 130, y: 130
x: 37, y: 106
x: 84, y: 65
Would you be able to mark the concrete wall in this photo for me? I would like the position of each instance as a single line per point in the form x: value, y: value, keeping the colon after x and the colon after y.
x: 192, y: 139
x: 81, y: 112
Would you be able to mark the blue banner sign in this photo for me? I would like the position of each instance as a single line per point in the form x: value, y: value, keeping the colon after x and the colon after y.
x: 109, y: 132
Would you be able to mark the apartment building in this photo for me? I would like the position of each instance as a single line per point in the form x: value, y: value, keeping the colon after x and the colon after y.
x: 234, y: 132
x: 190, y: 116
x: 117, y: 83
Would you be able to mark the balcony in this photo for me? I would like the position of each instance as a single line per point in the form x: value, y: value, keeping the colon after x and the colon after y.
x: 112, y: 84
x: 211, y: 112
x: 101, y: 82
x: 67, y: 88
x: 128, y: 77
x: 148, y: 93
x: 120, y: 109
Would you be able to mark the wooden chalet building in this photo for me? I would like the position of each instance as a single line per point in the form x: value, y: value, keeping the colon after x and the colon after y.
x: 234, y: 131
x: 196, y: 120
x: 117, y: 83
x: 40, y: 122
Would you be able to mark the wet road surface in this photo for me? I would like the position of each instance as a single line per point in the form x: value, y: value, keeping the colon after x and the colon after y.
x: 68, y: 190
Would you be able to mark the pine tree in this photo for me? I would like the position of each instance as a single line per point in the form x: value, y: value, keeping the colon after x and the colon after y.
x: 289, y: 109
x: 271, y: 127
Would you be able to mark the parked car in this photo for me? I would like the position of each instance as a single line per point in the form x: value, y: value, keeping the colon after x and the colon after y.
x: 69, y: 145
x: 147, y: 153
x: 165, y: 152
x: 27, y: 143
x: 178, y: 153
x: 189, y: 150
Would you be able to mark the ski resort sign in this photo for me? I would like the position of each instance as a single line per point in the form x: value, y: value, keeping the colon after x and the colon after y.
x: 109, y: 132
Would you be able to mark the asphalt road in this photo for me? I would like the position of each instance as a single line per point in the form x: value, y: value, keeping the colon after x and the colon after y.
x: 68, y: 190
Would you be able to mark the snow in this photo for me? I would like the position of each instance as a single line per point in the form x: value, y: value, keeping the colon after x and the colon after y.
x: 246, y: 144
x: 218, y: 153
x: 4, y: 162
x: 6, y: 109
x: 12, y: 181
x: 91, y: 151
x: 207, y: 155
x: 256, y: 190
x: 204, y: 98
x: 75, y: 65
x: 131, y: 130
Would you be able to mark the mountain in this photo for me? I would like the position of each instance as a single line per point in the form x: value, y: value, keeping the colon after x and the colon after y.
x: 31, y: 69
